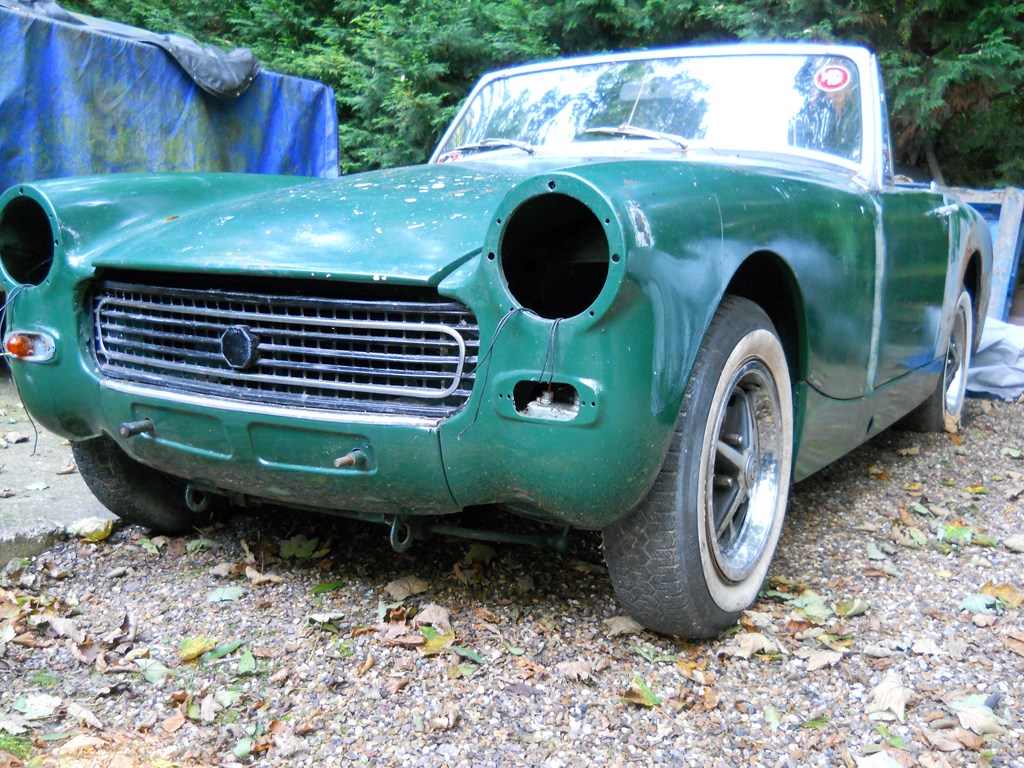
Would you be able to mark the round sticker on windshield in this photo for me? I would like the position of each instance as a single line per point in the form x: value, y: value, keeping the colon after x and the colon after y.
x: 833, y: 78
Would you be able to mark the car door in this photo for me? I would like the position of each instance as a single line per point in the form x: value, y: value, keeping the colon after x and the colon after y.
x: 915, y: 233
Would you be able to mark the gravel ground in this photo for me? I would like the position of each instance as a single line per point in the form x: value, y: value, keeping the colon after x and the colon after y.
x: 890, y: 633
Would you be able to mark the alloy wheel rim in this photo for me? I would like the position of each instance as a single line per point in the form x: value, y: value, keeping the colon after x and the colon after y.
x: 953, y: 373
x: 743, y: 476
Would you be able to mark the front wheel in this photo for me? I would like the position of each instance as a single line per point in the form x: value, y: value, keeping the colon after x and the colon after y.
x: 696, y: 552
x: 134, y: 492
x: 944, y: 407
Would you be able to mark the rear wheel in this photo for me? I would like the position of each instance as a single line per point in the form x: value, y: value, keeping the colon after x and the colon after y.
x: 134, y: 492
x: 696, y: 552
x: 943, y: 409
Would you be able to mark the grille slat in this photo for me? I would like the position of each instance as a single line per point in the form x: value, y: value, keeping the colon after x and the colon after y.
x: 406, y: 357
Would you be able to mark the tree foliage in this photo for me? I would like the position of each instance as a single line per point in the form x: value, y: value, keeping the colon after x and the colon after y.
x: 954, y: 69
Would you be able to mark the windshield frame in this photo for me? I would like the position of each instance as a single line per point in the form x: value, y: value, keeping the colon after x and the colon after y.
x: 867, y: 169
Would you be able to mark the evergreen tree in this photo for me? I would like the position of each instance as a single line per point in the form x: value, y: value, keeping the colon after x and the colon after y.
x: 954, y: 69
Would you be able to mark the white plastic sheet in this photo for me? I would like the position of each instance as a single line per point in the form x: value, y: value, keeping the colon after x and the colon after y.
x: 998, y: 367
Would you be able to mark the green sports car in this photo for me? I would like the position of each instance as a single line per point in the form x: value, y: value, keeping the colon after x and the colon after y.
x: 639, y: 293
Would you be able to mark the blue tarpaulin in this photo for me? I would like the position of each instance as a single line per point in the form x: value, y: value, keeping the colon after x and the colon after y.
x: 75, y: 100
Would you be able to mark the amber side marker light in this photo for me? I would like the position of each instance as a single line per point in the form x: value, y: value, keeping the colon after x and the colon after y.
x: 31, y: 347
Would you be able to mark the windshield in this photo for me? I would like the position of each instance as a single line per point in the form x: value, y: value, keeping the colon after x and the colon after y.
x: 773, y: 102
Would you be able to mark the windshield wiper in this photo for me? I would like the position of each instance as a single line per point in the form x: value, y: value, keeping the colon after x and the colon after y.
x: 631, y: 131
x: 486, y: 144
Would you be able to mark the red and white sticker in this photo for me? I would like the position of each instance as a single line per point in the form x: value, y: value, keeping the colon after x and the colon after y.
x: 832, y: 78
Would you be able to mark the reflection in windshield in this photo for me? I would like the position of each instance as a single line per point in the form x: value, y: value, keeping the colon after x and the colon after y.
x: 776, y: 102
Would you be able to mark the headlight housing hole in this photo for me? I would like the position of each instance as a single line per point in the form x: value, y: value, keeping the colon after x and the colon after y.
x: 26, y: 241
x: 554, y: 256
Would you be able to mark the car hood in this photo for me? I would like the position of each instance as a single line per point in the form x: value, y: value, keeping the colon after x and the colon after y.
x: 411, y: 224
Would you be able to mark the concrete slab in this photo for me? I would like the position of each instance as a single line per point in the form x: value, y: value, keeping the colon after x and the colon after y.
x: 39, y: 497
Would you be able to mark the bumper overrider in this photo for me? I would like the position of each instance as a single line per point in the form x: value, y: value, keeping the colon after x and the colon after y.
x: 522, y: 377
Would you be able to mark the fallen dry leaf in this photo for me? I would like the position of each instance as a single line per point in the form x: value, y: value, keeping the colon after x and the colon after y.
x: 66, y: 628
x: 944, y: 741
x: 968, y: 739
x: 258, y: 579
x: 817, y: 659
x: 711, y: 698
x: 286, y: 743
x: 407, y: 586
x: 746, y: 644
x: 695, y: 671
x: 91, y: 528
x: 755, y: 620
x: 366, y: 665
x: 889, y: 697
x: 926, y: 647
x: 976, y: 716
x: 250, y: 558
x: 208, y: 708
x: 434, y: 615
x: 575, y: 670
x: 1014, y: 643
x: 1009, y: 594
x: 446, y: 719
x: 174, y: 722
x: 279, y: 677
x: 83, y: 715
x: 531, y: 667
x: 79, y: 744
x: 622, y: 625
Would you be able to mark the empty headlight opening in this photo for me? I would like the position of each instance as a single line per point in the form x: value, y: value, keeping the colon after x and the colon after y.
x: 554, y: 256
x: 26, y: 241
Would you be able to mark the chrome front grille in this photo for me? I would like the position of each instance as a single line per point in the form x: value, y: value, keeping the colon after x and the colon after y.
x: 392, y: 351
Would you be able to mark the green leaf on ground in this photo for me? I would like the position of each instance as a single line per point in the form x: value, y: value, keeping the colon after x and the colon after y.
x: 652, y: 655
x: 153, y: 670
x: 198, y: 545
x: 225, y: 595
x: 856, y: 606
x: 222, y: 650
x: 891, y: 738
x: 148, y: 546
x: 192, y: 648
x: 467, y: 653
x: 37, y: 707
x: 246, y: 663
x: 980, y: 603
x: 298, y: 547
x: 436, y: 641
x: 958, y: 535
x: 243, y: 748
x: 640, y: 694
x: 812, y: 606
x: 329, y: 586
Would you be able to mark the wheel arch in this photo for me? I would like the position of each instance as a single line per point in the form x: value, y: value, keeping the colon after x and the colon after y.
x: 765, y: 279
x: 973, y: 281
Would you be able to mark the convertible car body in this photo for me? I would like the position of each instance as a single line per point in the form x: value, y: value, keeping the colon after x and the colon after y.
x: 637, y: 293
